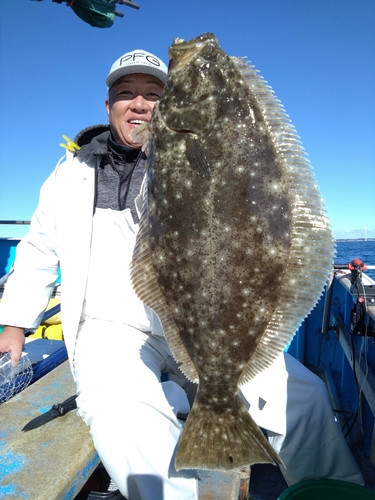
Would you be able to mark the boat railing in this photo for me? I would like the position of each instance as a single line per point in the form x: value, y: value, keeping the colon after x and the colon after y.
x: 337, y: 342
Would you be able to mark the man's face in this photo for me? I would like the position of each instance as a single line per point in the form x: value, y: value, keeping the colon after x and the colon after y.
x: 130, y: 102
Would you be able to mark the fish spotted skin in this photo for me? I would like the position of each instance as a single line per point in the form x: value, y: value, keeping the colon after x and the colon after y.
x: 234, y: 246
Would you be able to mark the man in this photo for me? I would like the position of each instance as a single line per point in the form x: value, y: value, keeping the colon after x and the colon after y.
x: 86, y: 223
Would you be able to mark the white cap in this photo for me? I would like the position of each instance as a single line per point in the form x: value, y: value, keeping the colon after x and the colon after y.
x: 137, y: 61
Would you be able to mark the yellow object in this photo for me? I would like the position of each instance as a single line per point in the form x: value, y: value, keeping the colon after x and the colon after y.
x: 56, y: 319
x: 51, y: 332
x: 38, y: 334
x: 51, y: 328
x: 70, y: 145
x: 54, y: 332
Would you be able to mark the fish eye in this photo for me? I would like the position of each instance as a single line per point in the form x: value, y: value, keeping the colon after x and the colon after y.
x: 210, y: 52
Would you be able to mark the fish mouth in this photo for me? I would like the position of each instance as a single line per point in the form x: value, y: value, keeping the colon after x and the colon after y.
x: 181, y: 53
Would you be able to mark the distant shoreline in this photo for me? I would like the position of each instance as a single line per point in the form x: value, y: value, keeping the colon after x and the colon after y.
x: 355, y: 239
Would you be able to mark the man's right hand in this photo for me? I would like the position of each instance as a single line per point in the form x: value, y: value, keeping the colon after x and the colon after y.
x: 12, y: 339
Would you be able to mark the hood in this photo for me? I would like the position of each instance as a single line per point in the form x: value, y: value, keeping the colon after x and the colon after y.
x: 93, y: 141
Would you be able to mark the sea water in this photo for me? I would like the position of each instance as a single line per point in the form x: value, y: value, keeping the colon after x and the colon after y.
x: 346, y: 251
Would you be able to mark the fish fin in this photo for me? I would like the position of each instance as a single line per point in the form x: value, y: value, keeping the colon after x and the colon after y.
x: 196, y: 156
x: 312, y: 243
x: 146, y: 286
x: 275, y: 339
x: 222, y: 441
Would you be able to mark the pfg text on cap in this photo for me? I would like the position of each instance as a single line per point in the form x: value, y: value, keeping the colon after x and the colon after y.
x: 137, y: 61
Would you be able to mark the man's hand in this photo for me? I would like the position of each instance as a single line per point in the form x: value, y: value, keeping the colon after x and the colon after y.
x: 12, y: 339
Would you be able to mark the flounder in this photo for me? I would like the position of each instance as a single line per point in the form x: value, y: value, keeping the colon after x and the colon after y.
x: 234, y: 246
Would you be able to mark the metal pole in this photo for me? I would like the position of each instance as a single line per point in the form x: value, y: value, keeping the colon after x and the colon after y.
x: 327, y: 304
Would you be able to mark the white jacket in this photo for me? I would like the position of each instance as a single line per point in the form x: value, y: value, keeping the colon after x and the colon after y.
x: 60, y: 234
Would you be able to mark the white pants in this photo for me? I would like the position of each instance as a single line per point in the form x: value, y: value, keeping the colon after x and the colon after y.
x: 133, y: 422
x: 292, y: 405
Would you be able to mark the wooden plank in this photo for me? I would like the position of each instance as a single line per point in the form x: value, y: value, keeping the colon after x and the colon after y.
x: 223, y: 485
x: 52, y: 462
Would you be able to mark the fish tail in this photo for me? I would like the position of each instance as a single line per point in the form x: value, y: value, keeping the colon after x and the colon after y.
x: 225, y: 441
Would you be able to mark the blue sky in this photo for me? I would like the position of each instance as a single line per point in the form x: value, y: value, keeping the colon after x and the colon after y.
x: 318, y: 56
